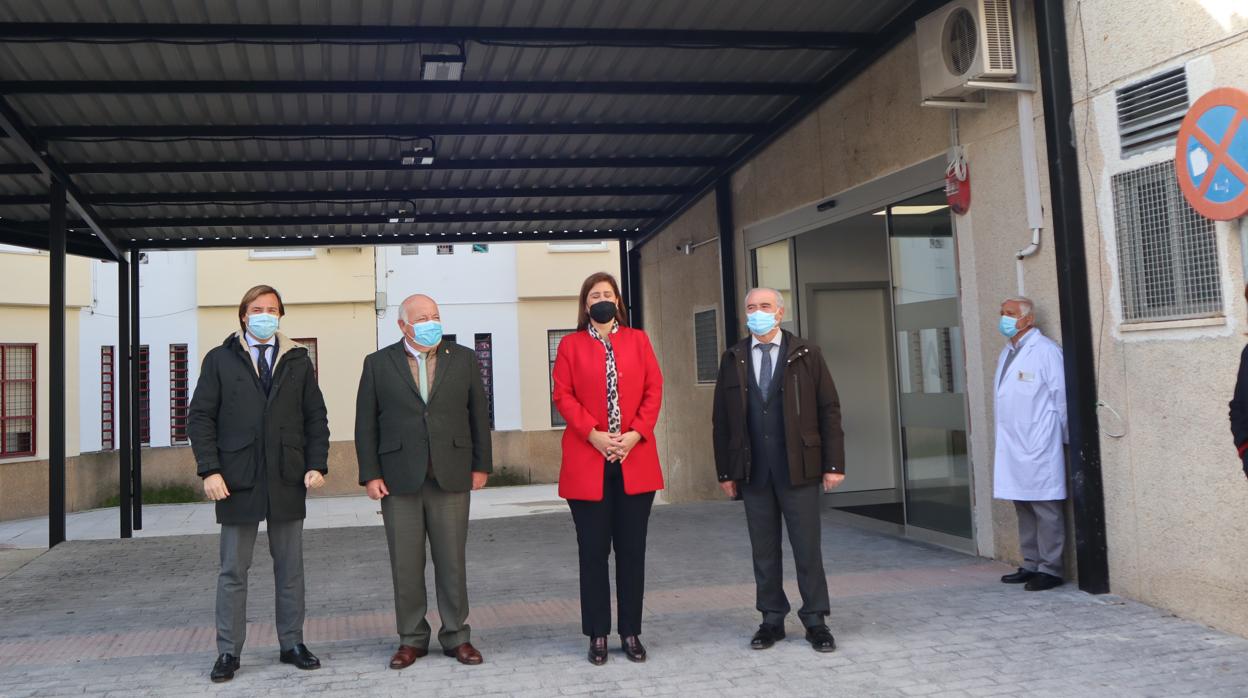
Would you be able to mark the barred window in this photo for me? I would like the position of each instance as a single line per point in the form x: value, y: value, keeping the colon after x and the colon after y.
x: 145, y: 397
x: 179, y: 393
x: 483, y: 344
x: 1167, y: 253
x: 552, y: 349
x: 17, y: 399
x: 108, y: 382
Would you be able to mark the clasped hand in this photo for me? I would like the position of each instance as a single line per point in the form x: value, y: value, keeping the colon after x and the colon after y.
x: 614, y: 447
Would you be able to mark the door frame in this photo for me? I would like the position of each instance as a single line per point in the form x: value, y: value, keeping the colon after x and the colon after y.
x: 808, y: 294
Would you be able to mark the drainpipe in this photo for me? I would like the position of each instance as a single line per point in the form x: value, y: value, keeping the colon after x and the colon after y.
x: 1072, y: 288
x: 1031, y: 184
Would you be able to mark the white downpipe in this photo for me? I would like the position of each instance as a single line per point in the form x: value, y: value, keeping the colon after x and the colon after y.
x: 1031, y: 183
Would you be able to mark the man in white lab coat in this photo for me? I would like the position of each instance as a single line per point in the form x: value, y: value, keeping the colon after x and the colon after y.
x: 1030, y: 463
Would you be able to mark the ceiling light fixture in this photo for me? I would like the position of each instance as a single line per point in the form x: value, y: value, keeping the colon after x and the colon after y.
x: 420, y: 154
x: 443, y: 66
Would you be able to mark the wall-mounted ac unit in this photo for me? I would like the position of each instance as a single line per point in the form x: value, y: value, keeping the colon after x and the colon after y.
x: 965, y: 42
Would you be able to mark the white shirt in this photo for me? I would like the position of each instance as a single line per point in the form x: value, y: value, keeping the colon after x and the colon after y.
x: 253, y: 343
x: 757, y: 355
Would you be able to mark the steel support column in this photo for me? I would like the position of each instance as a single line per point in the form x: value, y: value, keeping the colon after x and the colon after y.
x: 136, y: 424
x: 56, y: 365
x: 727, y: 259
x: 634, y: 288
x: 1072, y: 290
x: 626, y: 294
x: 124, y: 397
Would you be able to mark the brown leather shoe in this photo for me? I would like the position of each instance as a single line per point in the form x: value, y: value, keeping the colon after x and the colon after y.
x: 406, y: 655
x: 465, y: 653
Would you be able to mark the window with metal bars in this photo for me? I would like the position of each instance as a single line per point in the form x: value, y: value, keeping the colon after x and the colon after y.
x: 706, y: 345
x: 17, y: 399
x: 145, y: 398
x: 552, y: 349
x: 179, y: 393
x: 309, y: 343
x: 483, y: 343
x: 1167, y: 253
x: 1150, y: 111
x: 108, y: 400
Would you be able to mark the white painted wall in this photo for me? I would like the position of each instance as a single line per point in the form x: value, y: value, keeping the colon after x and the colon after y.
x: 167, y: 307
x: 476, y: 293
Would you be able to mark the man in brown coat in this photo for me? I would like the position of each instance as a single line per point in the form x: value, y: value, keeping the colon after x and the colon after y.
x: 778, y: 437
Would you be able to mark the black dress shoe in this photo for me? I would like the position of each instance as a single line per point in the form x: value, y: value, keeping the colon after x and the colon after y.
x: 598, y: 651
x: 1022, y: 576
x: 1043, y: 581
x: 633, y: 649
x: 224, y: 668
x: 300, y: 657
x: 766, y: 636
x: 820, y: 637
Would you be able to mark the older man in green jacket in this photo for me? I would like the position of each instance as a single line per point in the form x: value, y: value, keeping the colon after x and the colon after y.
x: 422, y: 437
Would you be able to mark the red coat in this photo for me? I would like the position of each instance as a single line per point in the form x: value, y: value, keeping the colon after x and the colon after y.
x: 580, y: 379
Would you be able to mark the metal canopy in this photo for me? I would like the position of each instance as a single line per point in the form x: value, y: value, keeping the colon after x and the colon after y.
x: 199, y: 124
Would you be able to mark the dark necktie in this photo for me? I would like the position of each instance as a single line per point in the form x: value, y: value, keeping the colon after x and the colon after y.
x: 764, y: 368
x: 266, y: 371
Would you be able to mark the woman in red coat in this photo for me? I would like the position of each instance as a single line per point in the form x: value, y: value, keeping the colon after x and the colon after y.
x: 608, y: 388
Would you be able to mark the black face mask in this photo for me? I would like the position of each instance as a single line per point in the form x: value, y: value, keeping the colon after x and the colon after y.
x: 602, y: 312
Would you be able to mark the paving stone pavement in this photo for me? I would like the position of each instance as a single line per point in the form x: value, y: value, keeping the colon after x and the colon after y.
x: 134, y: 617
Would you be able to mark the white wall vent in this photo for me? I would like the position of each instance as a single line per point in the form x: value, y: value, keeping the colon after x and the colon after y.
x: 1149, y: 112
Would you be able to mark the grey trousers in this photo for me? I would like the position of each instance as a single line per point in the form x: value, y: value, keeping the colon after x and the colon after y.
x: 442, y: 518
x: 765, y: 505
x: 238, y: 541
x: 1042, y: 535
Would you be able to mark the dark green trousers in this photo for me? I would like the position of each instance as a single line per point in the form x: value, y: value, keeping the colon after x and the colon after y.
x: 440, y: 517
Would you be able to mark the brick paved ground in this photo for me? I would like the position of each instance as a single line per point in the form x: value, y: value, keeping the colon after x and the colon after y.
x: 134, y: 618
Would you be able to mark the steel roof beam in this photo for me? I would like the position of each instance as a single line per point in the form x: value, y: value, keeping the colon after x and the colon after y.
x: 202, y: 197
x: 520, y: 163
x: 345, y: 33
x: 297, y: 131
x: 21, y: 139
x: 418, y: 87
x: 888, y: 37
x: 369, y: 219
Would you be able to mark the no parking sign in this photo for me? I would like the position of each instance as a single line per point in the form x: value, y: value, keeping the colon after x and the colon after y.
x: 1211, y: 157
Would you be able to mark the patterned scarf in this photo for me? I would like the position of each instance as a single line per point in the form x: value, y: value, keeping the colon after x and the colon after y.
x: 613, y: 380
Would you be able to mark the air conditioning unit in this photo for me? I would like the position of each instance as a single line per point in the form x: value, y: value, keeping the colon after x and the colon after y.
x: 964, y: 43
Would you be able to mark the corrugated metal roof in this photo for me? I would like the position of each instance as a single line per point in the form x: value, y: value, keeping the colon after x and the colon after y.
x: 188, y: 60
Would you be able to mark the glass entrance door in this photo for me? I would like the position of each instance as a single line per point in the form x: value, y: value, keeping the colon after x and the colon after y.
x: 931, y: 373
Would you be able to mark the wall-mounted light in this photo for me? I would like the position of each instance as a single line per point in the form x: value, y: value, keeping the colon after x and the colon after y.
x: 826, y: 206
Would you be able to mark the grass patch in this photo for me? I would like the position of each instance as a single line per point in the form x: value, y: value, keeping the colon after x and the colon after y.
x: 506, y: 477
x: 168, y: 494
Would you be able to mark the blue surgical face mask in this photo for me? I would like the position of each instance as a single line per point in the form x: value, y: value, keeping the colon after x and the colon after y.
x: 1008, y: 326
x: 760, y: 322
x: 427, y: 334
x: 262, y: 325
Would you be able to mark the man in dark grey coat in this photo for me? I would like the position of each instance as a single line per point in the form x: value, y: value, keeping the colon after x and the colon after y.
x: 259, y: 432
x: 422, y: 437
x: 778, y: 438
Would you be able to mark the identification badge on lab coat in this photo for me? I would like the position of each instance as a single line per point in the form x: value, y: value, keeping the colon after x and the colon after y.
x: 1026, y: 376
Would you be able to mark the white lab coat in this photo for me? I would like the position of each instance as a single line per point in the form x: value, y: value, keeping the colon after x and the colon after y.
x: 1030, y: 464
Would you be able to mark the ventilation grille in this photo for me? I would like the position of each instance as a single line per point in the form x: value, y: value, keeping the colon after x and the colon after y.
x: 961, y: 41
x: 1149, y: 112
x: 706, y: 345
x: 999, y: 32
x: 1167, y: 253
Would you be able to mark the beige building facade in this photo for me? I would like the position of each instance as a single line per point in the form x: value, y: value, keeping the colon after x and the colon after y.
x: 1174, y: 490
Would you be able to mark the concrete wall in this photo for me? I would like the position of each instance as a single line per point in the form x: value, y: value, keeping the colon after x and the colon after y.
x: 1174, y: 491
x: 873, y: 127
x: 674, y: 286
x: 92, y: 477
